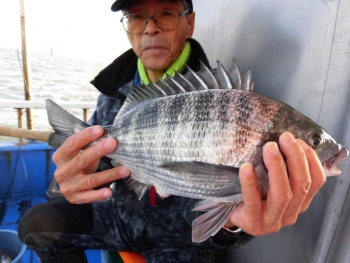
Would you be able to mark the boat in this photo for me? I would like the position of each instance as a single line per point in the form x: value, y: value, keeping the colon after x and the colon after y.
x: 26, y: 180
x: 26, y: 172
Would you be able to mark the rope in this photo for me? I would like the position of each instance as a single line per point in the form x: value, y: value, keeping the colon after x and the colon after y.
x: 48, y: 63
x: 81, y: 91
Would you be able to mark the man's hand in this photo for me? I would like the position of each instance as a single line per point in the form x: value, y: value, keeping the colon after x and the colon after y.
x: 288, y: 196
x: 76, y: 167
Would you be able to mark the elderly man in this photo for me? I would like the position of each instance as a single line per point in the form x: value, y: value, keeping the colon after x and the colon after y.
x: 160, y: 229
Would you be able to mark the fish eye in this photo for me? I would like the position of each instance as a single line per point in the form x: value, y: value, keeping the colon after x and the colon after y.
x: 315, y: 140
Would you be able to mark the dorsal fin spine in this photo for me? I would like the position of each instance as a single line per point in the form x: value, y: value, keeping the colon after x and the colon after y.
x: 235, y: 75
x: 251, y: 88
x: 169, y: 91
x: 159, y: 89
x: 152, y: 92
x: 184, y: 82
x: 144, y: 92
x: 170, y: 88
x: 198, y: 78
x: 207, y: 76
x: 246, y: 80
x: 143, y: 95
x: 225, y: 75
x: 136, y: 93
x: 177, y: 84
x: 156, y: 90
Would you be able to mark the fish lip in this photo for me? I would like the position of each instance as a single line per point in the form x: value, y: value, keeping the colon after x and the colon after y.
x: 330, y: 165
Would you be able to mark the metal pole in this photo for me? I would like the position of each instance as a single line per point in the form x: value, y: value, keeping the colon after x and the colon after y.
x: 20, y: 123
x: 85, y: 115
x: 26, y: 66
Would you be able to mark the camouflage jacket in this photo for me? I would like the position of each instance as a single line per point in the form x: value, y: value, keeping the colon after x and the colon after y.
x: 114, y: 83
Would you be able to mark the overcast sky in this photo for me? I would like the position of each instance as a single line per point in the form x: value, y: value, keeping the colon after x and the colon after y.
x: 74, y: 28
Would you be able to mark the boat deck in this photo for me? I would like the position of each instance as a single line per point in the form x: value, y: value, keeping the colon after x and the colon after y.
x: 25, y: 174
x: 14, y: 209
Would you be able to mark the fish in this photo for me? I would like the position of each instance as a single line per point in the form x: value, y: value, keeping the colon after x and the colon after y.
x: 187, y: 135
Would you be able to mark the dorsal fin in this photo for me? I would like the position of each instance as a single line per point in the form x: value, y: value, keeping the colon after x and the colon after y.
x: 203, y: 79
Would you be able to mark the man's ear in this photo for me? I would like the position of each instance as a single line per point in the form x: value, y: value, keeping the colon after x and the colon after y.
x: 191, y: 21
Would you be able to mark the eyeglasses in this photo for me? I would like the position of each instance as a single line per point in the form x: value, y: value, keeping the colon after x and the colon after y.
x: 165, y: 19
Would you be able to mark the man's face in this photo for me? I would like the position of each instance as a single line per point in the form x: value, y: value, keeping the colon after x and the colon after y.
x: 156, y: 48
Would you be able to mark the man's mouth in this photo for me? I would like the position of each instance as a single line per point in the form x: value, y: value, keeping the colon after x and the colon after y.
x: 155, y: 47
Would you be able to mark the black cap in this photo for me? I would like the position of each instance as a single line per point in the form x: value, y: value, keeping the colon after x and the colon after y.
x: 119, y: 5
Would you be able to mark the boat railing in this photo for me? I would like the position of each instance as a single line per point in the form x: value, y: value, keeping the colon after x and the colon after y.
x: 20, y: 105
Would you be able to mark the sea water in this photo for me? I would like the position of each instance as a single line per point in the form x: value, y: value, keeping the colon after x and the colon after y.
x: 54, y: 77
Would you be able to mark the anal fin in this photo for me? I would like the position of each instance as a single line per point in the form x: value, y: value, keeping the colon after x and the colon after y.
x: 139, y: 188
x: 212, y: 221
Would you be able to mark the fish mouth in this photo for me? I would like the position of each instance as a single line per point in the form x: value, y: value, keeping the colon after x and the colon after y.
x: 330, y: 165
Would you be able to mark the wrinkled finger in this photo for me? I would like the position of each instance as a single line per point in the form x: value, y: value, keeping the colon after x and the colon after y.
x: 318, y: 177
x: 91, y: 196
x: 280, y: 193
x: 75, y: 143
x: 94, y: 180
x: 91, y: 154
x: 104, y: 177
x: 299, y: 176
x: 250, y: 193
x: 248, y: 214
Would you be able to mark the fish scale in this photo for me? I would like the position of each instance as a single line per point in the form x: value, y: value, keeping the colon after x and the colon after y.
x: 187, y: 135
x: 201, y: 147
x: 192, y: 125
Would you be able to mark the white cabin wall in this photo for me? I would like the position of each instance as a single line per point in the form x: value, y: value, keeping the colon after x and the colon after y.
x: 299, y: 52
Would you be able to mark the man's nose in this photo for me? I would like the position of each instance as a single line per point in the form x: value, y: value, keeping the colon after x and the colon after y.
x: 152, y: 27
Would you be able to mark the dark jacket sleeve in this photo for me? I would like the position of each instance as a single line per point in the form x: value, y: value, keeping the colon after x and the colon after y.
x: 106, y: 110
x: 226, y: 239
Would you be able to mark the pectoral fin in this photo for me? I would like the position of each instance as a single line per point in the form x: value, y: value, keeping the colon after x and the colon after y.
x: 207, y: 172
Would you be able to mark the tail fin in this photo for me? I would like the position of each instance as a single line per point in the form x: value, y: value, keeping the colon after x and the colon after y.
x: 212, y: 221
x: 63, y: 123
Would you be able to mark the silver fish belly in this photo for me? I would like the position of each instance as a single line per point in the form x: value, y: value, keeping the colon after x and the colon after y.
x: 188, y: 135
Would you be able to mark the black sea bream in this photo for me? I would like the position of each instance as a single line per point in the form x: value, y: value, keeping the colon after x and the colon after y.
x: 187, y: 135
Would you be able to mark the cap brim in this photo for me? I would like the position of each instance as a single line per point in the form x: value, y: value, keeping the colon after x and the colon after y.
x: 118, y: 5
